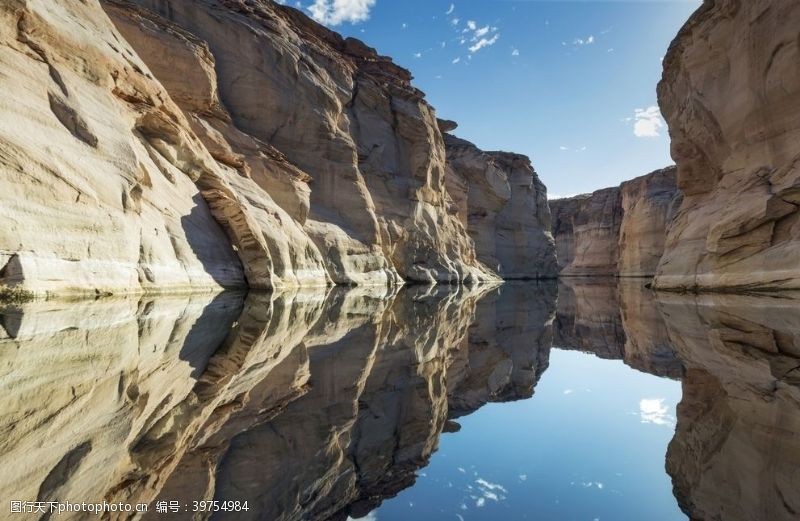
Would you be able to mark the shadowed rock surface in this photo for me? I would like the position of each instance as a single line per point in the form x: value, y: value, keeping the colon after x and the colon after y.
x: 503, y: 205
x: 730, y: 93
x: 616, y: 231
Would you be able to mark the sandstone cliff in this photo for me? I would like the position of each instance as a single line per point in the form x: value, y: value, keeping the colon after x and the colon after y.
x: 730, y: 93
x: 586, y: 230
x: 616, y: 231
x: 503, y: 205
x: 150, y: 152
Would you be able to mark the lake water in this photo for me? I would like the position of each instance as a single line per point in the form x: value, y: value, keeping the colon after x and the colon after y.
x: 583, y: 400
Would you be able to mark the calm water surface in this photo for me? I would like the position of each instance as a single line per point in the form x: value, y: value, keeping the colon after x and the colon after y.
x: 586, y: 400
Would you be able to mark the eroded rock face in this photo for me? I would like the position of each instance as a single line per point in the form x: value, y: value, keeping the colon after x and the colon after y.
x: 586, y: 231
x: 616, y: 231
x: 243, y: 145
x: 103, y: 186
x: 361, y: 161
x: 503, y: 205
x: 649, y: 204
x: 730, y: 93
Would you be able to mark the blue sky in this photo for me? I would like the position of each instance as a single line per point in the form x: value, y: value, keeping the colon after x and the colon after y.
x: 572, y: 84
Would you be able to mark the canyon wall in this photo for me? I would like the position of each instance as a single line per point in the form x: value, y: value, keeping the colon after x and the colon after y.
x: 618, y: 231
x: 503, y: 205
x: 730, y: 94
x: 158, y: 145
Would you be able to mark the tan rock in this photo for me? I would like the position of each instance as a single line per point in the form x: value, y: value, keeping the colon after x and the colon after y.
x: 503, y: 205
x: 348, y: 121
x: 586, y: 231
x: 730, y: 93
x: 616, y: 231
x: 649, y: 204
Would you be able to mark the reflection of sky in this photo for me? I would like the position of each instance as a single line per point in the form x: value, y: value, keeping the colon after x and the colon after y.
x: 589, y: 445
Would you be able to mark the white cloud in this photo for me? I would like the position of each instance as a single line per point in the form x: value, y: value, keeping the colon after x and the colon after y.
x: 490, y: 486
x: 452, y: 8
x: 335, y: 12
x: 568, y: 391
x: 562, y: 147
x: 480, y: 502
x: 647, y: 122
x: 456, y: 61
x: 403, y: 25
x: 471, y: 25
x: 417, y: 55
x: 483, y: 31
x: 654, y: 410
x: 523, y: 477
x: 455, y: 21
x: 589, y: 40
x: 515, y: 52
x: 483, y: 42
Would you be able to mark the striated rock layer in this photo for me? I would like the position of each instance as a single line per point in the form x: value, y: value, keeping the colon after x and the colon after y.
x: 616, y: 231
x: 586, y: 231
x: 213, y: 144
x: 730, y: 93
x: 503, y: 205
x: 361, y: 166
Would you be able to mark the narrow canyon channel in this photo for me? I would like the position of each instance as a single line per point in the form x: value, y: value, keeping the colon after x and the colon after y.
x: 586, y: 399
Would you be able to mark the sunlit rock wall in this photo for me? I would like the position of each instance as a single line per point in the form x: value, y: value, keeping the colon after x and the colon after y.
x: 349, y: 148
x: 730, y: 94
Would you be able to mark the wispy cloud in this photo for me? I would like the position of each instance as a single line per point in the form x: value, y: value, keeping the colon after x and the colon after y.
x: 457, y: 60
x: 647, y: 122
x: 335, y: 12
x: 483, y: 42
x: 451, y: 9
x: 515, y: 52
x: 589, y: 40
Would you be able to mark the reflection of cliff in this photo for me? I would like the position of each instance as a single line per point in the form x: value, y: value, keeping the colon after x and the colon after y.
x: 736, y: 451
x: 344, y: 391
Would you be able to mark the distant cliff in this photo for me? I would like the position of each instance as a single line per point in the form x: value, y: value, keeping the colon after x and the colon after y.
x: 730, y: 94
x: 616, y: 231
x: 503, y: 205
x: 162, y: 145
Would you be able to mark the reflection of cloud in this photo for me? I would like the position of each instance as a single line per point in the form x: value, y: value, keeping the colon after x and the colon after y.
x: 372, y: 516
x: 654, y: 410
